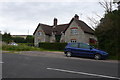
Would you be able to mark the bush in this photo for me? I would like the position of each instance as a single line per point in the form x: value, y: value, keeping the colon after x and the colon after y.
x: 53, y: 46
x: 27, y: 44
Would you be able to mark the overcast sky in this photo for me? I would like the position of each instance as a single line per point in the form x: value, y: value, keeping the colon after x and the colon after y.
x: 20, y: 16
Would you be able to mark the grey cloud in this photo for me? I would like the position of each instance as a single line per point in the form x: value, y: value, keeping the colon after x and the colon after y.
x: 30, y: 13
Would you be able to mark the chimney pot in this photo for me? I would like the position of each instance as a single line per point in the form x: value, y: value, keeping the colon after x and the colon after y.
x: 76, y: 17
x: 55, y: 22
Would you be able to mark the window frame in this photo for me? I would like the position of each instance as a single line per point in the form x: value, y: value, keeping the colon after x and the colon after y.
x: 39, y: 33
x: 74, y: 31
x: 76, y: 44
x: 84, y: 47
x: 73, y: 40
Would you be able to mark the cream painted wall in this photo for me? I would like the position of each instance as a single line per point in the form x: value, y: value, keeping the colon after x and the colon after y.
x: 88, y: 36
x: 47, y: 38
x: 39, y: 38
x: 52, y: 38
x: 80, y: 37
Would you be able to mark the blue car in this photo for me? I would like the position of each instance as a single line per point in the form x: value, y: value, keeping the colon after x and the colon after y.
x: 84, y: 50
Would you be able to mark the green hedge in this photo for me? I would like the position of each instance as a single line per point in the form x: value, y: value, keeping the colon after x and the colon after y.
x: 53, y: 46
x: 27, y: 44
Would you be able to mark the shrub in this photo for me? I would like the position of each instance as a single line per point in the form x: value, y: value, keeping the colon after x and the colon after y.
x: 53, y: 46
x: 27, y: 44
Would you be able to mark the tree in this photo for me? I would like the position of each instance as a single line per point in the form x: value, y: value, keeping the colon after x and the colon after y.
x: 107, y: 5
x: 0, y: 36
x: 19, y: 40
x: 30, y: 39
x: 108, y: 32
x: 6, y: 37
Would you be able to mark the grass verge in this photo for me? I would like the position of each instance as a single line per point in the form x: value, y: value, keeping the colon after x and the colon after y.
x: 24, y: 48
x: 114, y: 58
x: 19, y: 48
x: 29, y: 48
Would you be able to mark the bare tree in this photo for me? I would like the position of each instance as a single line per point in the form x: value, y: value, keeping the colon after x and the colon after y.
x: 93, y: 22
x: 107, y: 5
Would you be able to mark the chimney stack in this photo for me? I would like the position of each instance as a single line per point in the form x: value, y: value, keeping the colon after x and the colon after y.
x: 55, y: 22
x: 76, y: 17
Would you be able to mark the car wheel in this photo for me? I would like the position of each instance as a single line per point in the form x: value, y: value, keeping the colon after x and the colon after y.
x: 97, y: 56
x: 68, y: 54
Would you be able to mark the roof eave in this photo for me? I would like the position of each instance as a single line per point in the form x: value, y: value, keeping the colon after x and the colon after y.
x: 36, y: 29
x: 89, y: 32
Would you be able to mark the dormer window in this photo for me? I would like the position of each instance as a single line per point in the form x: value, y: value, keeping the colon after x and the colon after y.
x: 74, y: 30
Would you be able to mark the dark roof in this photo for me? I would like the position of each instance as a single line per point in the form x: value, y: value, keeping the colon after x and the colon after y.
x: 63, y: 27
x: 60, y: 28
x: 84, y: 26
x: 46, y: 28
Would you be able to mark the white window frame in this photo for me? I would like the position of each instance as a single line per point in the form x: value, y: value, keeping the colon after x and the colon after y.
x: 74, y: 31
x: 39, y: 33
x: 73, y: 41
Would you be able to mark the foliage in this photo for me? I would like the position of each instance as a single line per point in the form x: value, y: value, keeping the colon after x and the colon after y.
x: 6, y: 37
x: 57, y: 38
x: 27, y: 44
x: 53, y: 46
x: 30, y: 39
x: 108, y: 33
x: 19, y: 48
x: 19, y: 40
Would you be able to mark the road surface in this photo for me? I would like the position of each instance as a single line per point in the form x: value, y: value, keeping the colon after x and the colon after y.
x: 39, y: 66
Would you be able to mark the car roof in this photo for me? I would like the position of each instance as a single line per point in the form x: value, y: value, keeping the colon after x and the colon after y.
x: 78, y: 43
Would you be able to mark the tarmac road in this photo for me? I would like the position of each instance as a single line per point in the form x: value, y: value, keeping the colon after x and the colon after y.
x: 28, y: 66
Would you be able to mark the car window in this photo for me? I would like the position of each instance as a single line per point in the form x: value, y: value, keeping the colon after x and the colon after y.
x: 82, y: 45
x: 74, y: 45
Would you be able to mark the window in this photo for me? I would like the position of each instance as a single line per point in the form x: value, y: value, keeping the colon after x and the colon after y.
x: 74, y: 31
x: 83, y: 45
x: 73, y: 40
x: 39, y: 33
x: 74, y: 45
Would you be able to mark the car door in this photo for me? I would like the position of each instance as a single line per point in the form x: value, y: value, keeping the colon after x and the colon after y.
x: 74, y: 48
x: 84, y: 50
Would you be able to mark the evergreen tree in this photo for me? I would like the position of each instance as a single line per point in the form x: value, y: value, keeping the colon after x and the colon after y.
x: 30, y: 39
x: 108, y: 32
x: 6, y: 37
